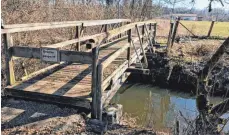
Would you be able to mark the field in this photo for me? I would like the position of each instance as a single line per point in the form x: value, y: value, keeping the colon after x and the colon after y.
x: 220, y: 29
x: 199, y: 28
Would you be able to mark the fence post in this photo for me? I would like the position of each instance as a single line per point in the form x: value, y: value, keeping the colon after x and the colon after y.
x: 210, y: 29
x: 172, y: 35
x: 169, y: 37
x: 175, y: 30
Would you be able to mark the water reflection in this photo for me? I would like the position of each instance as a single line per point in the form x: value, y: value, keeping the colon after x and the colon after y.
x: 156, y: 107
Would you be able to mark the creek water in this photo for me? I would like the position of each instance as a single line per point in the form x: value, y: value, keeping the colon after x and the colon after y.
x: 158, y: 108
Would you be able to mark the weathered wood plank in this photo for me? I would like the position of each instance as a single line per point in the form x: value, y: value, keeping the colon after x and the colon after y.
x: 72, y: 56
x: 26, y: 52
x: 108, y: 80
x: 43, y: 70
x: 77, y: 102
x: 69, y: 42
x: 117, y: 53
x: 121, y: 69
x: 68, y: 56
x: 41, y: 26
x: 138, y: 71
x: 112, y: 33
x: 107, y: 95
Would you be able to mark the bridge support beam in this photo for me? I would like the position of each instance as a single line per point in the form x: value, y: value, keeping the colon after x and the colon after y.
x: 138, y: 71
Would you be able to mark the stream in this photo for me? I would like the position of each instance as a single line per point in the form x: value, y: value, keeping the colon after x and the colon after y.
x: 158, y: 108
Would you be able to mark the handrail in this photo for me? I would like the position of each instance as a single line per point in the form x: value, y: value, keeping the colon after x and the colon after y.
x: 112, y: 33
x: 50, y: 25
x: 98, y: 85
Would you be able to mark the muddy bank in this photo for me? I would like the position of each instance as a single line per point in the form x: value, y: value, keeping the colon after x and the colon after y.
x: 180, y: 75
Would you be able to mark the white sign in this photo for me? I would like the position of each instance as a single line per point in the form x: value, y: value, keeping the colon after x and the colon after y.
x: 49, y: 54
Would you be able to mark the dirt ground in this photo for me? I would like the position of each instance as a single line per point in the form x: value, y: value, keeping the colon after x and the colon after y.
x: 30, y: 117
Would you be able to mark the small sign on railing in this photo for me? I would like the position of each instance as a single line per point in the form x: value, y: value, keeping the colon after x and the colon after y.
x: 49, y: 54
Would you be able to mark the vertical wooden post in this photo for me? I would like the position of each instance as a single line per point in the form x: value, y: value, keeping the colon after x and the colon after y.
x: 143, y: 33
x: 150, y: 28
x: 106, y: 29
x: 175, y: 30
x: 210, y: 29
x: 141, y: 45
x: 94, y: 83
x: 8, y: 42
x: 78, y: 37
x: 149, y: 39
x: 102, y: 27
x: 99, y: 92
x: 154, y: 33
x: 177, y: 127
x: 9, y: 65
x: 169, y: 37
x: 120, y: 35
x: 129, y: 32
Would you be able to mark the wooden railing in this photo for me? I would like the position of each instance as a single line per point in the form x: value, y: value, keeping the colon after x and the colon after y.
x: 145, y: 31
x: 98, y: 83
x: 61, y: 55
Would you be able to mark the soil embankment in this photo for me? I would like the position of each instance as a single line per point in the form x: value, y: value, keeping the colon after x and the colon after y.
x: 180, y: 75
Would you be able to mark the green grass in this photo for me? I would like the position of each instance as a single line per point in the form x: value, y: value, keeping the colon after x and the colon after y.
x: 220, y: 29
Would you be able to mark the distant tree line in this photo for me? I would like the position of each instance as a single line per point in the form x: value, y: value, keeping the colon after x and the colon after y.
x: 133, y: 9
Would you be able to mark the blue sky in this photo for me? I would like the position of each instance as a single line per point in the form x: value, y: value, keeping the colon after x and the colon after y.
x: 201, y: 4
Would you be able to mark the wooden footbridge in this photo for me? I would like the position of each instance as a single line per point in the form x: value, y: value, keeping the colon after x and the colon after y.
x: 88, y: 75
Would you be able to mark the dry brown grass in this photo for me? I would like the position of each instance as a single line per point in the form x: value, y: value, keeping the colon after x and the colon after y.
x: 196, y: 50
x: 199, y: 28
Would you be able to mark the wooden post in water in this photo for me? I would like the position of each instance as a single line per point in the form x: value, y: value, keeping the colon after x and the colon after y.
x: 210, y: 29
